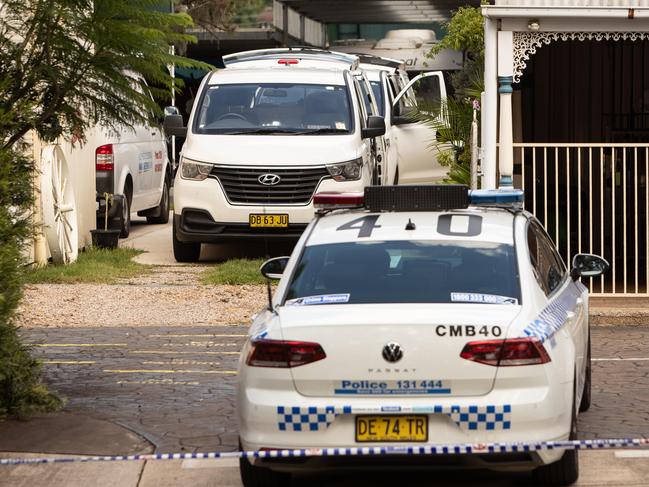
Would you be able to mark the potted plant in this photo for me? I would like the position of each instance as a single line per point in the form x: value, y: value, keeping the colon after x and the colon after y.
x: 106, y: 238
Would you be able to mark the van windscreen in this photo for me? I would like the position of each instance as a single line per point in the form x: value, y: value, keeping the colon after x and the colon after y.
x: 274, y: 108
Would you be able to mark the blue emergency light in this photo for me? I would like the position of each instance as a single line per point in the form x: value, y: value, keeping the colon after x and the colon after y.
x: 497, y: 197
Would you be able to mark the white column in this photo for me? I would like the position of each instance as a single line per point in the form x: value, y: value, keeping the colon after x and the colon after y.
x: 489, y: 117
x: 505, y: 80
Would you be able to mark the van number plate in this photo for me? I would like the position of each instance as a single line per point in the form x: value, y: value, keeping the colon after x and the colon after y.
x: 267, y: 221
x: 412, y: 428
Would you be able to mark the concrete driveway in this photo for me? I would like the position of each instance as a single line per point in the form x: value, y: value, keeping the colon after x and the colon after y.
x: 155, y: 240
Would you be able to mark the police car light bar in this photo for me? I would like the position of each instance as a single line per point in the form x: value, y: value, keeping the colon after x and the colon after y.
x: 332, y: 201
x: 441, y: 197
x: 497, y: 197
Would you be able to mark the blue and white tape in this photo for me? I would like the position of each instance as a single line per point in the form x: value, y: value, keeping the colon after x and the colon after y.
x: 431, y: 450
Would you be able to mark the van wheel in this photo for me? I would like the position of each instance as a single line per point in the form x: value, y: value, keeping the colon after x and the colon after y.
x: 566, y: 470
x: 125, y: 217
x: 584, y: 405
x: 252, y: 476
x: 185, y: 251
x: 163, y: 207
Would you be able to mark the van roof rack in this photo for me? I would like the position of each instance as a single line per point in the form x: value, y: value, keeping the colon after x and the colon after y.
x: 301, y: 52
x: 379, y: 61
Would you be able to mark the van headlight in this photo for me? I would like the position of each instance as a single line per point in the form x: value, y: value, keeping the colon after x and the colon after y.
x: 194, y: 171
x: 346, y: 171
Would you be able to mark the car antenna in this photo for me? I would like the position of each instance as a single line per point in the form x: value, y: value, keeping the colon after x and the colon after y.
x: 270, y: 296
x: 410, y: 225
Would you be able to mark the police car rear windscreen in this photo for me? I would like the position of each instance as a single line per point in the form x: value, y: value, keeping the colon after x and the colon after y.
x: 406, y: 272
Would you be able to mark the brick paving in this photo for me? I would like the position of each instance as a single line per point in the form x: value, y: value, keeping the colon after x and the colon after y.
x: 175, y: 387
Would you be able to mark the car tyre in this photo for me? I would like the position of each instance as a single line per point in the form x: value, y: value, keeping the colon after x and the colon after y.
x: 252, y: 476
x: 185, y: 251
x: 163, y: 207
x: 125, y: 217
x: 586, y: 396
x: 566, y: 470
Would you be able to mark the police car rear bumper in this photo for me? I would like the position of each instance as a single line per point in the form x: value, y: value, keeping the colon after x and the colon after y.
x: 500, y: 461
x: 527, y: 414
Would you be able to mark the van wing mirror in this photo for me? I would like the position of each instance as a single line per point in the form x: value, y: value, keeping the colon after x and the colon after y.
x: 173, y: 125
x: 588, y: 265
x: 375, y: 127
x: 403, y: 116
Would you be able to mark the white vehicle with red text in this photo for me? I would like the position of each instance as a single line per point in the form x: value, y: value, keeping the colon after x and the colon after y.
x: 457, y: 323
x: 264, y: 135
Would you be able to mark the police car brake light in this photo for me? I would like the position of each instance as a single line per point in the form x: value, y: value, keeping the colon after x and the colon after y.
x: 332, y: 201
x: 506, y: 353
x: 497, y: 197
x: 283, y: 354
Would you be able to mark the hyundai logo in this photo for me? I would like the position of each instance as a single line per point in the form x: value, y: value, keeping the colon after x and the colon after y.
x: 392, y: 352
x: 269, y: 179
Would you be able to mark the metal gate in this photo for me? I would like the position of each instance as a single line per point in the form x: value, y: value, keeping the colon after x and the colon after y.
x: 592, y: 198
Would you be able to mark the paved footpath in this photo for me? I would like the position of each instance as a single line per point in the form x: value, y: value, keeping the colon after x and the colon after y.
x: 175, y: 386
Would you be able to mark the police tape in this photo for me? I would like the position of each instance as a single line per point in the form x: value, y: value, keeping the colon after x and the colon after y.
x: 456, y: 449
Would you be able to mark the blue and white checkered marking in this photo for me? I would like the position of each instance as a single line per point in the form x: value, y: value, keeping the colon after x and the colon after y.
x: 552, y: 318
x: 484, y: 418
x: 307, y: 419
x: 473, y: 418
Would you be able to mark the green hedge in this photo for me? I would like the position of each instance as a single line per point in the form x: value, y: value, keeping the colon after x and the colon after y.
x: 21, y: 390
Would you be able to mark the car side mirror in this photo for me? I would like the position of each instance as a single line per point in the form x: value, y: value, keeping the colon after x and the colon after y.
x: 173, y: 125
x: 588, y: 265
x: 401, y: 117
x: 273, y: 269
x: 375, y: 127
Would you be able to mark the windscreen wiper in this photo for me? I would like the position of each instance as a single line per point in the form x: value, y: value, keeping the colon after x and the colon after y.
x: 265, y: 131
x: 322, y: 131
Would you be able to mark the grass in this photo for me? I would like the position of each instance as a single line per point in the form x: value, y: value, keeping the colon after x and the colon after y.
x: 93, y: 266
x: 235, y: 271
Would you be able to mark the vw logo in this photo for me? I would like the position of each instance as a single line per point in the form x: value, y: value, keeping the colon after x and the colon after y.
x: 392, y: 352
x: 269, y: 179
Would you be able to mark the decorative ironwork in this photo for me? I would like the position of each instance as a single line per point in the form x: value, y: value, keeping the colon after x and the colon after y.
x: 526, y: 43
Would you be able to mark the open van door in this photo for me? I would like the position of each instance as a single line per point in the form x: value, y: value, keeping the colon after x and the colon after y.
x: 416, y: 154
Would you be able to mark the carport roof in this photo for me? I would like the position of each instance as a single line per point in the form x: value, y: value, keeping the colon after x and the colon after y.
x: 377, y: 11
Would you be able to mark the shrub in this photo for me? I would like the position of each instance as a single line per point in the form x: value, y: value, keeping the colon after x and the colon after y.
x: 21, y: 391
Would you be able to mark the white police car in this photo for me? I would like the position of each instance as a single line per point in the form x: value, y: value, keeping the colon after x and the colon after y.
x: 425, y: 315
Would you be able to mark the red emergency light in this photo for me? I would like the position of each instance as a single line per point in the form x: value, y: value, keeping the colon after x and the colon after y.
x: 330, y: 200
x: 287, y: 62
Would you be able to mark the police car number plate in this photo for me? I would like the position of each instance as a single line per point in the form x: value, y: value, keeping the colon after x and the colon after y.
x: 265, y: 221
x: 412, y: 428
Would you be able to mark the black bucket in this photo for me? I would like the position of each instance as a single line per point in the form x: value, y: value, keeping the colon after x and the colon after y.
x: 105, y: 239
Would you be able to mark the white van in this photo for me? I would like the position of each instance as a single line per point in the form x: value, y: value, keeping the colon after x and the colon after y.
x: 264, y: 135
x: 134, y: 168
x: 411, y: 157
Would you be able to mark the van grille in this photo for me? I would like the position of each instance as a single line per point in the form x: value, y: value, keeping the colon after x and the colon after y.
x: 296, y: 186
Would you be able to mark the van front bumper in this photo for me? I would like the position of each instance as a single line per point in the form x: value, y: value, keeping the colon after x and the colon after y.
x: 196, y: 225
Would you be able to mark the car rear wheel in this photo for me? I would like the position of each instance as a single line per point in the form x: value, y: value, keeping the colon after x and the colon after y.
x: 163, y: 207
x: 252, y: 476
x: 566, y: 470
x: 125, y: 217
x: 185, y: 251
x: 584, y: 405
